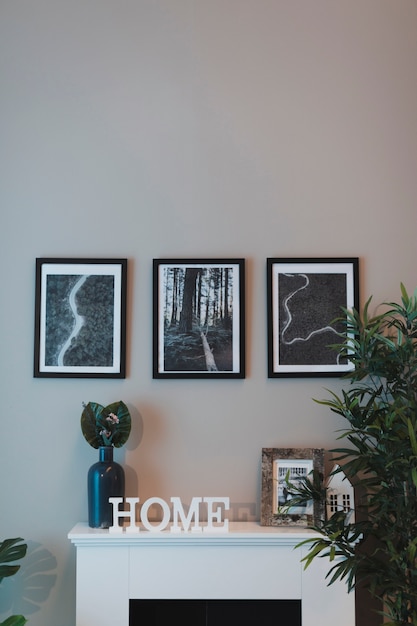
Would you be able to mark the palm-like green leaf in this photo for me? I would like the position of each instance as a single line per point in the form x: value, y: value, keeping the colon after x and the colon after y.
x: 308, y: 489
x: 380, y: 458
x: 106, y: 426
x: 14, y: 620
x: 11, y: 550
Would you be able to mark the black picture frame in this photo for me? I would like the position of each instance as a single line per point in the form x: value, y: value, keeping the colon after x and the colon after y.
x: 80, y: 318
x: 304, y: 297
x: 199, y: 318
x: 278, y: 464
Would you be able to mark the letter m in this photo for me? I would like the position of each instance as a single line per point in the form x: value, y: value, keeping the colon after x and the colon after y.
x: 178, y: 512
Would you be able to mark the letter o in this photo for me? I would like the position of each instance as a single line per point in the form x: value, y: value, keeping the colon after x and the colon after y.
x: 144, y: 514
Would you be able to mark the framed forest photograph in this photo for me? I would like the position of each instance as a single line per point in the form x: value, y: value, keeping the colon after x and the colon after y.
x: 198, y: 324
x: 80, y: 318
x: 305, y: 302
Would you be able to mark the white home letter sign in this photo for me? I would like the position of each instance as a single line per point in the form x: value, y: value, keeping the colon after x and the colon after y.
x: 214, y: 514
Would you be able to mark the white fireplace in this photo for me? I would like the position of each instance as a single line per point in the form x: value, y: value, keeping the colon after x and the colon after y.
x: 248, y: 562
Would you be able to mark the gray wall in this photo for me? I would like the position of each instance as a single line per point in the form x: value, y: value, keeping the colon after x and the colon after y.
x: 187, y: 128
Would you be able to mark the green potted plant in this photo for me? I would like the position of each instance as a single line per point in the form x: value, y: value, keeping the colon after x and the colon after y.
x: 11, y: 550
x: 379, y: 548
x: 105, y: 428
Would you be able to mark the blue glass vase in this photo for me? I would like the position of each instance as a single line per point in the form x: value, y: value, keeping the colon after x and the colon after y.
x: 106, y: 479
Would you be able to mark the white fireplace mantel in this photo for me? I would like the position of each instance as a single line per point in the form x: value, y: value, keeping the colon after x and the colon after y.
x: 248, y: 562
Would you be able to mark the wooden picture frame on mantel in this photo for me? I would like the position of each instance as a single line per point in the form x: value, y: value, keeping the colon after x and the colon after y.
x: 294, y: 463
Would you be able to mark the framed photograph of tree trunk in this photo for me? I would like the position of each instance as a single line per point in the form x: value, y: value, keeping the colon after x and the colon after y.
x: 80, y: 318
x: 199, y: 321
x: 306, y: 299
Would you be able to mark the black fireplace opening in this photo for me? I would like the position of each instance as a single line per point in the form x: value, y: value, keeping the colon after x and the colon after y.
x: 215, y: 612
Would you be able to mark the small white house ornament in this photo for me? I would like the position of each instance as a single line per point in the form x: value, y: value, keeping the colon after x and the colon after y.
x: 340, y: 494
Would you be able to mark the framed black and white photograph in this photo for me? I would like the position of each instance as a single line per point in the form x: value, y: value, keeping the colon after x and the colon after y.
x: 80, y: 318
x: 199, y: 321
x: 305, y: 300
x: 282, y: 467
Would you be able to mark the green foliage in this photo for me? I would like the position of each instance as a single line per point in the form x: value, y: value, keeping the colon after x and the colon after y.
x: 379, y: 457
x: 11, y: 550
x: 184, y: 351
x: 14, y: 620
x: 308, y: 488
x: 106, y: 426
